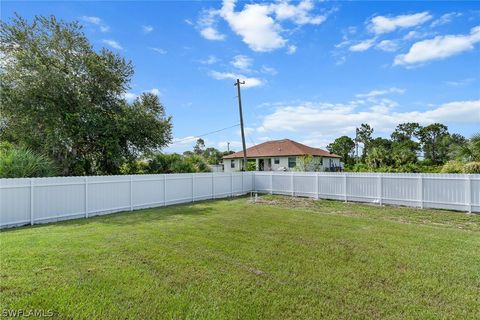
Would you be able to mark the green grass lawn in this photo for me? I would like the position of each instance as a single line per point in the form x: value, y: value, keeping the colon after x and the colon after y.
x: 282, y: 258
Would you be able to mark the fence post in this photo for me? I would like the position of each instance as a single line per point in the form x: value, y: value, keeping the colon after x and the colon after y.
x: 86, y: 197
x: 271, y: 182
x: 420, y: 189
x: 231, y: 183
x: 213, y: 185
x: 345, y: 187
x: 131, y: 193
x: 468, y: 193
x: 31, y: 202
x: 316, y: 186
x: 380, y: 191
x: 193, y: 187
x: 292, y: 184
x: 243, y: 183
x: 164, y: 189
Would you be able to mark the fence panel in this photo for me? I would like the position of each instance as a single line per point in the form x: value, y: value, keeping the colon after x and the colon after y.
x: 304, y: 184
x: 223, y: 185
x: 107, y: 194
x: 282, y: 183
x: 15, y: 201
x: 262, y: 181
x: 40, y: 200
x: 331, y: 186
x: 148, y: 191
x: 442, y: 191
x: 52, y: 200
x: 401, y: 189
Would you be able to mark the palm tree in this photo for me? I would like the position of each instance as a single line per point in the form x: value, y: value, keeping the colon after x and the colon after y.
x: 470, y: 151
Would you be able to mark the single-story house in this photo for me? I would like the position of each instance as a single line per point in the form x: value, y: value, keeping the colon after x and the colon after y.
x: 282, y: 155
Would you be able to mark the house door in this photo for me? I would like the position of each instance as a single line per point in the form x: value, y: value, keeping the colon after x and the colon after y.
x: 261, y: 165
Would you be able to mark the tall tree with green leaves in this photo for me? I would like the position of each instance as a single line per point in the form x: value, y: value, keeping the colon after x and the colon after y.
x: 379, y: 152
x: 405, y: 131
x: 364, y: 136
x: 404, y: 148
x: 60, y: 98
x: 435, y: 141
x: 343, y: 146
x: 199, y: 147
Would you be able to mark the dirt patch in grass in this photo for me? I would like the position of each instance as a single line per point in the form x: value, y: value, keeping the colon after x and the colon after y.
x: 441, y: 218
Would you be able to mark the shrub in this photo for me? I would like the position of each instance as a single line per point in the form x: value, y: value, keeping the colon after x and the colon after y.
x: 452, y: 166
x: 472, y: 167
x: 358, y: 167
x: 198, y: 163
x: 23, y: 163
x: 134, y: 167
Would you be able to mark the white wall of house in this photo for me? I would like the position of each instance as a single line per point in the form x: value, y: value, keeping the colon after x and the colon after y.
x: 282, y: 163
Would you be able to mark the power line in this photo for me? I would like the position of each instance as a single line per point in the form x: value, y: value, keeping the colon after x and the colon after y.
x: 203, y: 135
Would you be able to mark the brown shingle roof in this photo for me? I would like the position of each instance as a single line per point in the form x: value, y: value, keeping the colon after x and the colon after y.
x: 279, y: 148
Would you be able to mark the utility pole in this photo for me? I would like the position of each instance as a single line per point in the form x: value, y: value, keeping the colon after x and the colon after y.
x: 228, y: 146
x: 241, y: 124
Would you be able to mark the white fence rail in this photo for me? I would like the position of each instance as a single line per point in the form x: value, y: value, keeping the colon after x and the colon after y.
x: 442, y: 191
x: 41, y: 200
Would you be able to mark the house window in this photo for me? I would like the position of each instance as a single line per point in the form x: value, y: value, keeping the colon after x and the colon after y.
x: 292, y: 162
x: 276, y: 160
x: 232, y: 164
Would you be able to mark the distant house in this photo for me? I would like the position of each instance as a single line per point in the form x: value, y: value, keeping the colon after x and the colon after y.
x: 281, y: 155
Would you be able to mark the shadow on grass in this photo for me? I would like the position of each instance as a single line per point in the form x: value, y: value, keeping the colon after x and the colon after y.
x: 140, y: 216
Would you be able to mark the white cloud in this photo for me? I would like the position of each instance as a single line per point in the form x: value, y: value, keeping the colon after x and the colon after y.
x: 241, y: 62
x: 291, y: 49
x: 377, y: 93
x: 112, y: 43
x: 130, y: 96
x: 249, y: 82
x: 258, y: 24
x: 207, y: 24
x: 257, y: 29
x: 445, y: 18
x: 210, y: 60
x: 187, y: 21
x: 268, y: 70
x: 97, y: 22
x: 147, y: 29
x: 159, y: 50
x: 383, y: 24
x: 387, y: 45
x: 334, y: 119
x: 211, y: 33
x: 184, y: 140
x: 362, y: 46
x: 439, y: 47
x: 155, y: 91
x: 299, y: 14
x: 460, y: 83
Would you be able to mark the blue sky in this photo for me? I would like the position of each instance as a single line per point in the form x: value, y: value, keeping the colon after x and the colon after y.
x: 313, y: 70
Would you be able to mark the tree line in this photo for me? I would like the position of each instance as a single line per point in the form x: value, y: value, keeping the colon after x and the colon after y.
x: 410, y: 148
x: 63, y: 109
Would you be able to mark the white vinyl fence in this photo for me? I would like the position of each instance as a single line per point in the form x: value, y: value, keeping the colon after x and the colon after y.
x: 442, y: 191
x: 41, y: 200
